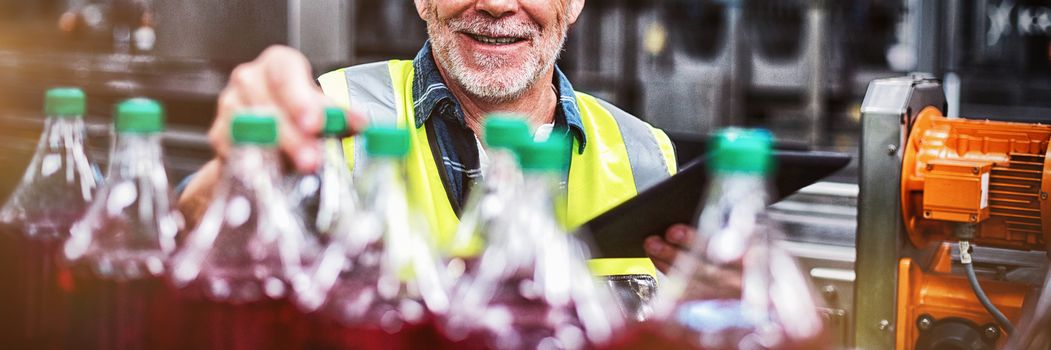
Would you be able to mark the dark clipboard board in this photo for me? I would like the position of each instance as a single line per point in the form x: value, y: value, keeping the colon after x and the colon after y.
x: 620, y: 232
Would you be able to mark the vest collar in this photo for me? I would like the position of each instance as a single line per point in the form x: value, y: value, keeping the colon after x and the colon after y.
x: 430, y: 94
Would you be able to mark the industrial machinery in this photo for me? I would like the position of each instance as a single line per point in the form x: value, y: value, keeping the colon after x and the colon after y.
x: 954, y: 221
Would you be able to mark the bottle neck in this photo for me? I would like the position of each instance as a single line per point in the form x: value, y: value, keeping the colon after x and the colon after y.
x: 62, y: 150
x: 380, y: 173
x: 136, y: 155
x: 332, y: 150
x: 502, y: 171
x: 734, y: 202
x: 751, y: 187
x: 725, y: 260
x: 63, y: 133
x: 543, y: 190
x: 248, y: 161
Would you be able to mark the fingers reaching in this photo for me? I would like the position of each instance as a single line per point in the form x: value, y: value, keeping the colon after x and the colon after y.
x: 680, y: 235
x: 661, y: 252
x: 281, y: 79
x: 290, y: 80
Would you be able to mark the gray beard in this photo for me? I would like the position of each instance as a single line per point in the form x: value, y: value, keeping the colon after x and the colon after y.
x: 497, y: 81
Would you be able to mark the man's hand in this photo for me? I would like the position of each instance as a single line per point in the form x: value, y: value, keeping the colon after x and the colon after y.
x: 280, y: 79
x: 664, y: 250
x: 712, y: 280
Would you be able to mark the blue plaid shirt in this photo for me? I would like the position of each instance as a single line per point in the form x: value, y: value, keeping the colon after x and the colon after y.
x: 453, y: 143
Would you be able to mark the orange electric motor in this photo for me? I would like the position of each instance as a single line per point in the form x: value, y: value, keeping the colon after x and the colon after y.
x: 994, y: 175
x: 983, y: 181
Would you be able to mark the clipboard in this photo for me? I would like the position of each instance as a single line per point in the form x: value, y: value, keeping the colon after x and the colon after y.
x: 620, y: 232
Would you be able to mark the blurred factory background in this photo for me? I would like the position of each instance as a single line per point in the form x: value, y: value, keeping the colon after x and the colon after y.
x: 798, y: 67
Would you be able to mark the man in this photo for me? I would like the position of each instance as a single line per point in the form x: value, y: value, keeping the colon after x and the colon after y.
x: 483, y: 56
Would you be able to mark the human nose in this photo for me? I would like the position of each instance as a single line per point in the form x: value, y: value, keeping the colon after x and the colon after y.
x: 497, y: 8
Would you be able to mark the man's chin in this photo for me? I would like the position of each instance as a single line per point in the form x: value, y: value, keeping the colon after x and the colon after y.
x: 496, y: 93
x: 496, y: 85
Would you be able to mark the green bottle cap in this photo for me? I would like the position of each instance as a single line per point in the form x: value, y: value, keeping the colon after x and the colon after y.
x: 386, y: 142
x: 140, y: 115
x: 65, y: 102
x: 254, y: 128
x: 545, y: 156
x: 506, y: 131
x: 742, y: 150
x: 335, y: 122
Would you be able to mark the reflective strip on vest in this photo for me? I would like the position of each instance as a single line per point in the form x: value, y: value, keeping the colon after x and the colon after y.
x: 648, y: 165
x: 667, y: 150
x: 334, y: 85
x: 382, y: 92
x: 624, y: 155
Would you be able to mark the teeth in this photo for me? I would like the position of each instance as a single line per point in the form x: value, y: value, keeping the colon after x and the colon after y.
x: 495, y: 41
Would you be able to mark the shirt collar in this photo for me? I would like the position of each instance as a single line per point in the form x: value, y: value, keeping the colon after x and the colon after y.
x: 429, y: 92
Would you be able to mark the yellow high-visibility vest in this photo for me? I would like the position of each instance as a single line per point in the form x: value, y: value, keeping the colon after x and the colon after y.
x: 624, y: 155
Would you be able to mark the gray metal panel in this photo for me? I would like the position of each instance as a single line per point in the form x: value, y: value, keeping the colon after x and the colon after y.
x: 321, y: 29
x: 880, y: 235
x: 888, y: 105
x: 697, y: 106
x: 707, y: 91
x: 234, y: 31
x: 231, y: 31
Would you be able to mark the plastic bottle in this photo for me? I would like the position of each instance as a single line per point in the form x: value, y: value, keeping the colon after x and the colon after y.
x: 240, y: 264
x: 382, y: 278
x: 735, y: 289
x: 532, y: 289
x: 56, y: 189
x: 1034, y: 330
x: 119, y: 249
x: 327, y: 197
x: 489, y: 198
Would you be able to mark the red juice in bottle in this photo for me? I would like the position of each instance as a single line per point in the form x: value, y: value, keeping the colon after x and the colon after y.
x: 8, y: 294
x: 55, y: 190
x: 43, y: 294
x: 124, y: 314
x: 378, y: 282
x: 119, y: 248
x: 736, y: 287
x: 240, y: 266
x: 355, y: 315
x: 531, y: 287
x: 261, y: 324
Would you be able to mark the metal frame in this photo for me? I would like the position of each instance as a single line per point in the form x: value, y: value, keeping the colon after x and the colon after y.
x: 886, y: 113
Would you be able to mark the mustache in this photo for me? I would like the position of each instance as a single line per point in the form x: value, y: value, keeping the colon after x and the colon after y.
x: 494, y: 27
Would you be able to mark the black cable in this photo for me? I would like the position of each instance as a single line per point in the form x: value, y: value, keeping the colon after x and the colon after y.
x: 984, y: 299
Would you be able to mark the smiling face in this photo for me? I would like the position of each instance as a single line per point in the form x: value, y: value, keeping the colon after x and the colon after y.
x: 497, y: 49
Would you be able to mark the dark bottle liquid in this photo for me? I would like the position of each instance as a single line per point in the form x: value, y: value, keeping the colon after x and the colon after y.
x: 119, y: 248
x: 516, y: 322
x: 736, y: 287
x: 123, y: 314
x: 377, y: 284
x: 55, y: 190
x: 9, y: 293
x: 649, y: 336
x: 239, y: 268
x: 356, y: 316
x: 327, y: 333
x: 40, y: 291
x: 262, y: 324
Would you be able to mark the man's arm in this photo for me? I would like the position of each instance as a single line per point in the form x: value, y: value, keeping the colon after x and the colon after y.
x: 194, y: 198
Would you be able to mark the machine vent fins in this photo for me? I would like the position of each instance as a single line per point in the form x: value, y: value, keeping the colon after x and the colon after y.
x: 1014, y: 195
